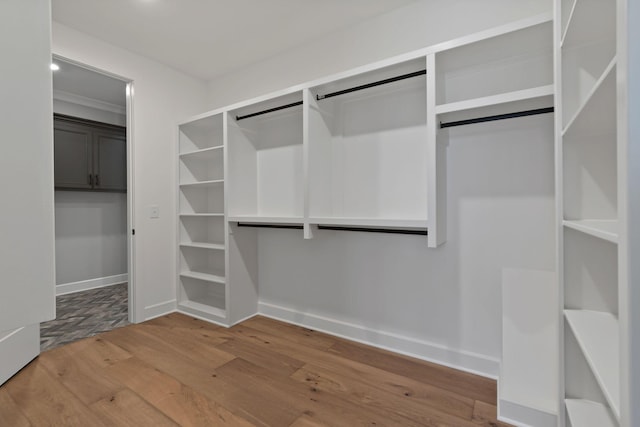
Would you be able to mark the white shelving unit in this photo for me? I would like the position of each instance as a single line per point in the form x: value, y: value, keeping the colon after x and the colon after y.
x: 265, y: 162
x: 589, y: 184
x: 367, y: 149
x: 201, y: 210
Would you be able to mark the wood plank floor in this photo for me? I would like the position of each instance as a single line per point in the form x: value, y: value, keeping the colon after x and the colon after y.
x: 176, y: 370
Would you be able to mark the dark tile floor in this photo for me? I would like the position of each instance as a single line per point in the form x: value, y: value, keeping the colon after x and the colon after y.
x: 84, y: 314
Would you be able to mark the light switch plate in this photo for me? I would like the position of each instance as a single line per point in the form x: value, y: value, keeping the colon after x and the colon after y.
x: 154, y: 211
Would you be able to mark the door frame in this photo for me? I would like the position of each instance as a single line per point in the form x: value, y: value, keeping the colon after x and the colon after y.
x: 134, y: 316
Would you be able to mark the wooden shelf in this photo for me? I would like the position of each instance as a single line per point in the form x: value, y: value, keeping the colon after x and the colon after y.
x: 596, y: 114
x: 519, y: 95
x: 215, y: 246
x: 603, y: 229
x: 586, y: 413
x: 204, y: 152
x: 597, y: 334
x: 370, y: 222
x: 203, y: 184
x: 207, y: 277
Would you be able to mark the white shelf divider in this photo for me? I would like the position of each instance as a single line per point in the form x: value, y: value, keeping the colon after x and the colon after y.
x: 207, y: 277
x: 586, y: 413
x: 369, y: 222
x: 203, y: 184
x: 214, y: 246
x: 519, y: 95
x: 603, y: 229
x: 204, y: 151
x: 597, y: 334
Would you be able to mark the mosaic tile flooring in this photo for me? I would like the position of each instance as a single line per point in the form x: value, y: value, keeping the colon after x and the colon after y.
x: 84, y: 314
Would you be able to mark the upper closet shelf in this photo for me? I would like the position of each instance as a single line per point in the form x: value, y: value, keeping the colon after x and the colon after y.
x: 597, y: 113
x: 519, y: 95
x: 370, y: 222
x: 255, y: 219
x: 603, y: 229
x: 586, y: 413
x: 598, y: 337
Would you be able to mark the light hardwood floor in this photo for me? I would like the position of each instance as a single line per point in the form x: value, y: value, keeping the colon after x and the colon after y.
x: 176, y: 370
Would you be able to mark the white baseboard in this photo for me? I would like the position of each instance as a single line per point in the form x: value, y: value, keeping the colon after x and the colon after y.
x: 85, y: 285
x: 524, y: 416
x: 160, y: 309
x: 457, y: 359
x: 17, y: 349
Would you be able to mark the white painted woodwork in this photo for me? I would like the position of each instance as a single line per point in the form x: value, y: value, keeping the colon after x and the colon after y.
x: 593, y: 143
x: 17, y: 348
x: 529, y: 364
x: 629, y: 212
x: 27, y: 295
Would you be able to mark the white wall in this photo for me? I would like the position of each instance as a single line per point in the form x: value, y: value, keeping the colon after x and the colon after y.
x: 500, y: 216
x: 91, y: 238
x: 162, y: 98
x: 420, y: 24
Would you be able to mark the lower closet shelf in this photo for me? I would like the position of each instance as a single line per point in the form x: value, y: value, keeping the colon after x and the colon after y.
x: 200, y: 309
x: 597, y: 335
x: 586, y: 413
x: 208, y: 277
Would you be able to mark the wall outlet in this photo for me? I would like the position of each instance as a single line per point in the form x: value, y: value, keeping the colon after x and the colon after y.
x: 154, y: 211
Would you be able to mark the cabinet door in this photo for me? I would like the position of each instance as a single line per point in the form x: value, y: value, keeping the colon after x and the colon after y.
x: 110, y: 160
x: 72, y: 155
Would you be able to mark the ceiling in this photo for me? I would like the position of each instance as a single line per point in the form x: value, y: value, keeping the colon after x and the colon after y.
x: 75, y: 80
x: 208, y: 38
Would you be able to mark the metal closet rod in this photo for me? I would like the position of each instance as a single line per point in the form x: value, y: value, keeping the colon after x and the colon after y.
x: 270, y: 110
x: 340, y: 92
x: 292, y: 227
x: 423, y: 232
x: 497, y: 117
x: 369, y: 85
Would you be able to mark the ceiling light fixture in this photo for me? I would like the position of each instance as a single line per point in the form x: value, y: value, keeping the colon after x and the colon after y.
x: 54, y: 66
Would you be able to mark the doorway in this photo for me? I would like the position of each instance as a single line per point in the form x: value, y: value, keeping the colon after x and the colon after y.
x: 93, y: 203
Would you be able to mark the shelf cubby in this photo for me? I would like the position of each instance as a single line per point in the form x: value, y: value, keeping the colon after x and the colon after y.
x: 587, y: 50
x: 202, y: 231
x: 203, y: 264
x: 368, y: 148
x: 202, y: 298
x: 587, y: 413
x: 201, y: 134
x: 202, y: 200
x: 202, y: 166
x: 265, y: 160
x: 590, y: 272
x: 507, y: 63
x: 597, y: 336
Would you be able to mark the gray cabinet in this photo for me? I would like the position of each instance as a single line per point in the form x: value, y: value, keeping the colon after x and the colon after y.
x: 89, y: 155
